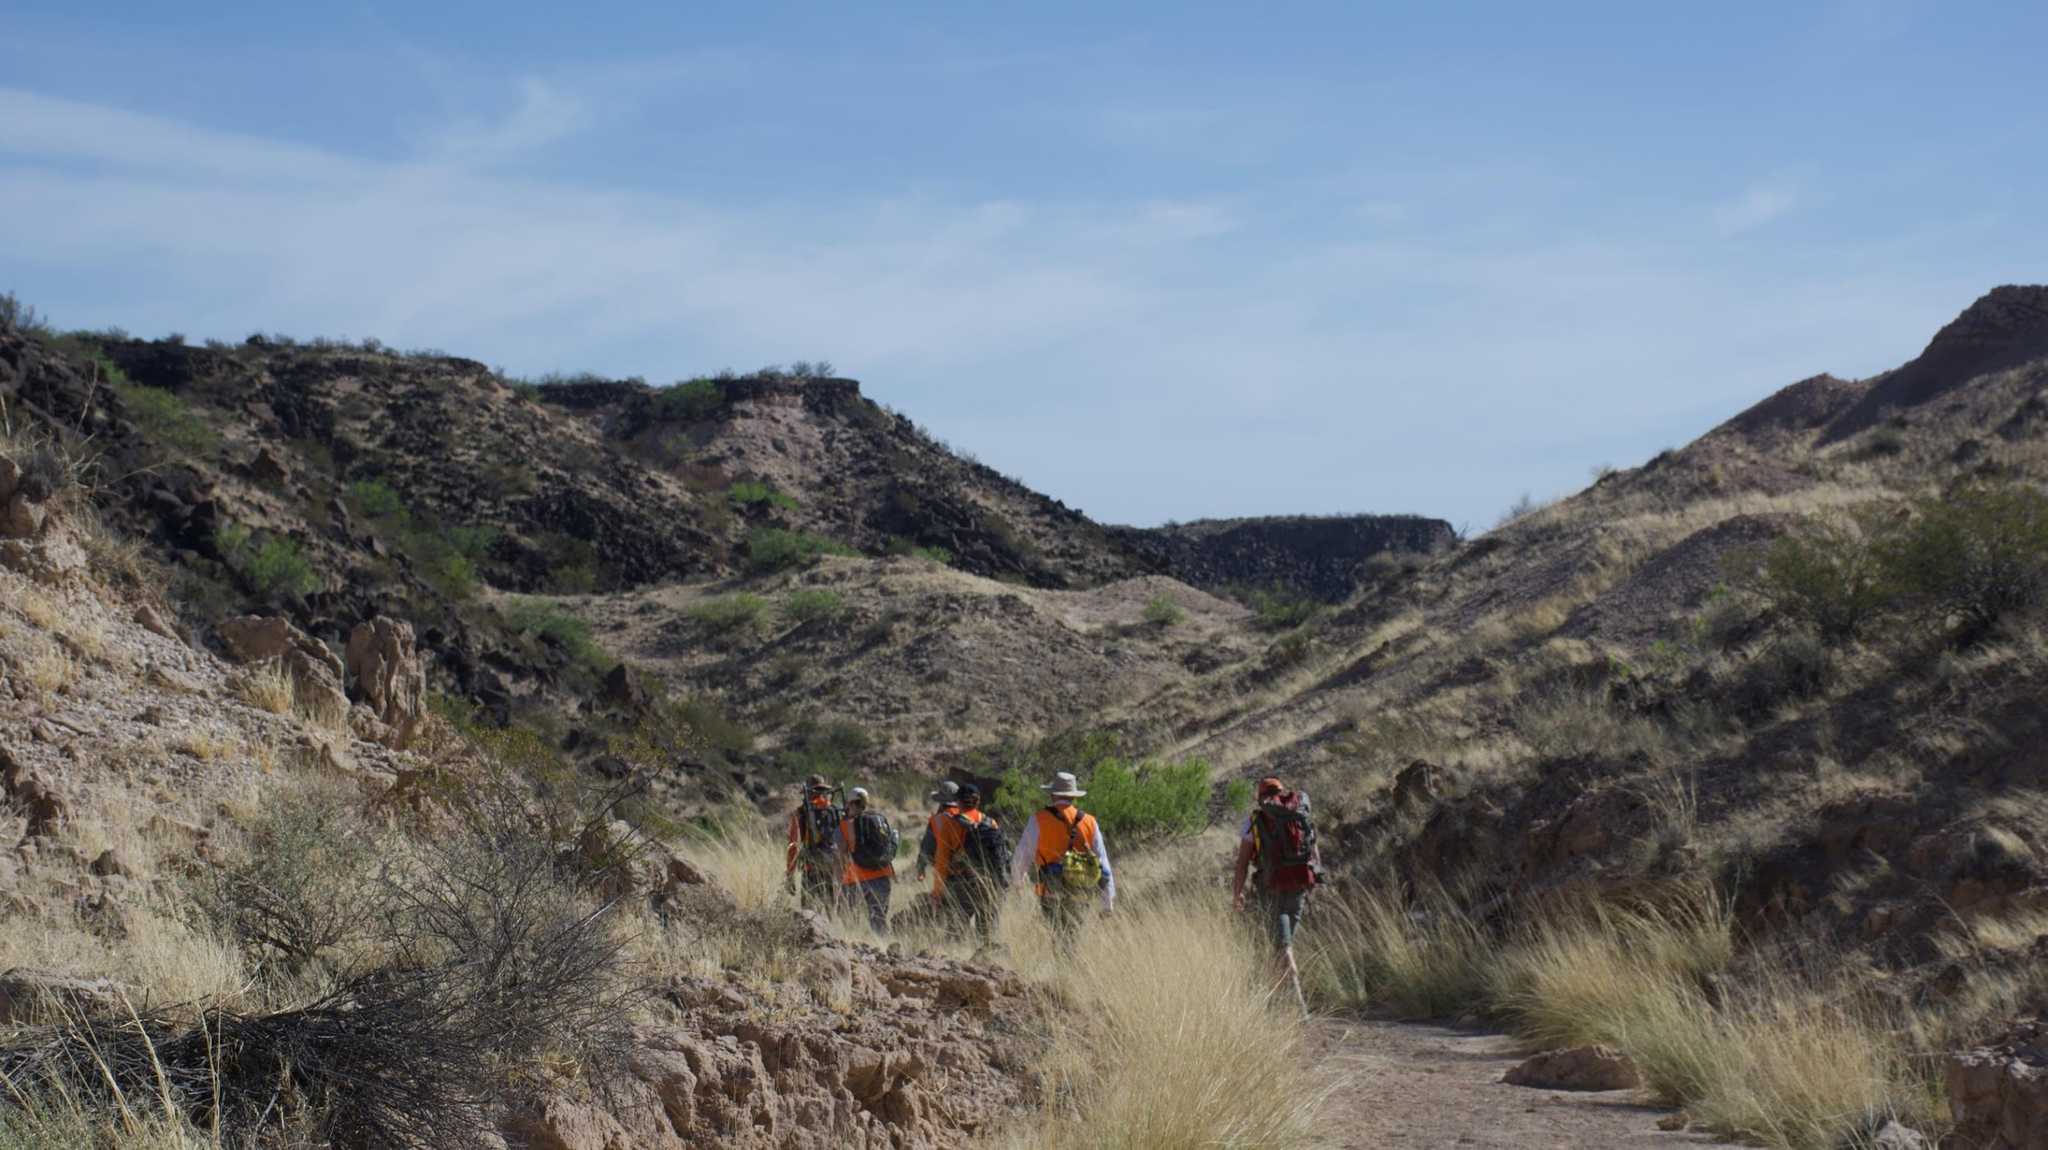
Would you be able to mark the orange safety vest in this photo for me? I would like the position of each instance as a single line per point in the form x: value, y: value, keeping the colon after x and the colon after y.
x: 1051, y: 822
x: 951, y: 835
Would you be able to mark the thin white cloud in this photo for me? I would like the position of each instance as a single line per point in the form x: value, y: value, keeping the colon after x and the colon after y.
x: 1086, y: 346
x: 545, y: 115
x: 1759, y: 205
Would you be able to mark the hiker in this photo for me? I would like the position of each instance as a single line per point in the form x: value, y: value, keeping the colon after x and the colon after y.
x: 814, y: 846
x: 947, y: 796
x: 868, y: 842
x: 1279, y: 839
x: 973, y: 866
x: 1064, y: 856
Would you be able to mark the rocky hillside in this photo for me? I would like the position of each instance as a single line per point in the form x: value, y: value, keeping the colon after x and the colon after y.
x: 1320, y: 556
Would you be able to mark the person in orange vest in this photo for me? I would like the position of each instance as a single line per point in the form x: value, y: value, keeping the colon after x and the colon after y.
x: 973, y: 866
x: 868, y: 844
x: 1279, y: 839
x: 1064, y: 856
x: 814, y: 846
x: 947, y: 796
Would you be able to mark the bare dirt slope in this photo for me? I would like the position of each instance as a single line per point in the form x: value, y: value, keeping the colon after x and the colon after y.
x: 1405, y: 1087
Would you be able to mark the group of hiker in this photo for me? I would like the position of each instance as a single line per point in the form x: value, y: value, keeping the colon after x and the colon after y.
x: 845, y: 857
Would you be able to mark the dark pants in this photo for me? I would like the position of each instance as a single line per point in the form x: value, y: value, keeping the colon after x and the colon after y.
x: 874, y: 894
x: 820, y: 885
x: 970, y: 903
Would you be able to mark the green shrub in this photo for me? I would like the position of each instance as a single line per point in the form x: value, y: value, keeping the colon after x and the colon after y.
x: 689, y: 402
x: 543, y: 621
x: 1979, y: 555
x: 1278, y: 610
x: 1164, y: 612
x: 278, y: 569
x: 750, y: 493
x: 1141, y: 802
x: 273, y: 568
x: 774, y: 549
x: 376, y: 499
x: 832, y: 749
x: 813, y: 604
x: 1830, y: 574
x: 164, y: 418
x: 726, y: 615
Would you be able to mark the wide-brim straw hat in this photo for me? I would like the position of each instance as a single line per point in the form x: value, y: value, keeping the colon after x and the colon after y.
x: 1064, y: 786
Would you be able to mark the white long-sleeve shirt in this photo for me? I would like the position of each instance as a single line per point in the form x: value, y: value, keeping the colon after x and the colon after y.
x: 1024, y: 861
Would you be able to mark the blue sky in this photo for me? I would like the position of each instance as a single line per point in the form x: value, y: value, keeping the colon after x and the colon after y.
x: 1162, y: 261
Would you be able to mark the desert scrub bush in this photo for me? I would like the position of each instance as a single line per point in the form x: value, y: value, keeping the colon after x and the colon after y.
x: 1978, y: 554
x: 750, y: 493
x: 18, y: 316
x: 1279, y: 610
x: 1165, y: 1000
x: 1163, y: 612
x: 812, y: 605
x: 306, y: 885
x: 547, y: 623
x: 1135, y: 802
x: 376, y: 499
x: 1830, y: 574
x: 689, y: 401
x: 673, y: 728
x: 835, y: 749
x: 273, y: 566
x: 728, y: 616
x: 1797, y: 665
x: 164, y: 418
x: 774, y: 549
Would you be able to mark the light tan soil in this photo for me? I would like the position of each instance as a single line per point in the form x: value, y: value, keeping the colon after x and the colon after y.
x: 1403, y: 1087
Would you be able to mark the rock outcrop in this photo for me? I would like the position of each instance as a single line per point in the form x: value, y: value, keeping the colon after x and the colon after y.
x: 1998, y: 1095
x: 316, y: 672
x: 383, y: 664
x: 1322, y: 557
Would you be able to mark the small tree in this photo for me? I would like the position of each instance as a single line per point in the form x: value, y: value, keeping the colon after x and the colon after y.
x: 1830, y: 573
x: 1979, y: 554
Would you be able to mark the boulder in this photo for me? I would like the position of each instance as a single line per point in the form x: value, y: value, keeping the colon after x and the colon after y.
x: 1418, y: 785
x: 1998, y: 1095
x: 29, y: 995
x: 20, y: 519
x: 46, y: 809
x: 316, y: 672
x: 1580, y: 1068
x: 1893, y: 1136
x: 111, y: 863
x: 152, y: 620
x: 383, y: 663
x: 623, y: 688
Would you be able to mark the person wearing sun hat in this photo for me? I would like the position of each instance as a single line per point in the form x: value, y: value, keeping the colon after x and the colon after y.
x: 1064, y: 856
x: 947, y: 804
x: 812, y: 863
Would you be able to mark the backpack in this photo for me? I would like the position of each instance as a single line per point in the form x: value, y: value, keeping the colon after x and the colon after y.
x: 874, y: 841
x: 984, y: 853
x: 1078, y: 869
x: 1287, y: 842
x: 820, y: 827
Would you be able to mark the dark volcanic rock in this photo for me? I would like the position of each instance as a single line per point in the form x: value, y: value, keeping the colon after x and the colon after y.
x: 2006, y: 328
x: 1318, y: 556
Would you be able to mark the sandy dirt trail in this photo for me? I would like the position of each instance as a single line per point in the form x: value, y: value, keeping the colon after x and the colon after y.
x: 1404, y: 1087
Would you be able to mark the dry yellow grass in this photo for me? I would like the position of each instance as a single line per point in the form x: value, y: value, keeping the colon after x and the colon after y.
x: 267, y: 687
x: 46, y: 665
x: 1164, y: 1004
